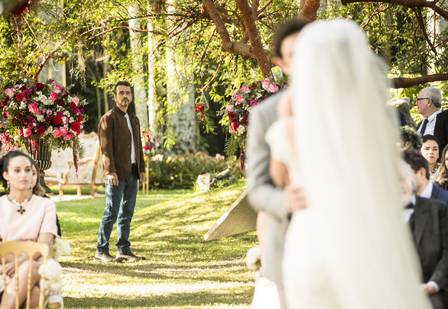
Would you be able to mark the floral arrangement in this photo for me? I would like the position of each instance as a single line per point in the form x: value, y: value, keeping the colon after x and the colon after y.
x: 33, y: 111
x: 149, y: 143
x: 51, y: 273
x: 61, y: 247
x: 236, y: 112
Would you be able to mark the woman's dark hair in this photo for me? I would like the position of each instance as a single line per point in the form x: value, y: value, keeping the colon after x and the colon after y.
x: 442, y: 172
x: 4, y: 163
x: 429, y: 137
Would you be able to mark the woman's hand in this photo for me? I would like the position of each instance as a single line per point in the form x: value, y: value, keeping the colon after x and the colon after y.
x: 9, y: 269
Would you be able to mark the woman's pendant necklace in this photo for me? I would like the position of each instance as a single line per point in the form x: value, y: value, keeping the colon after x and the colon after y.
x: 19, y: 206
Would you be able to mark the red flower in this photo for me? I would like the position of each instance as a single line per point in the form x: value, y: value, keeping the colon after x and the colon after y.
x: 199, y: 108
x: 19, y: 97
x: 40, y: 130
x: 57, y: 119
x: 146, y: 147
x: 76, y: 127
x: 80, y: 118
x: 73, y: 106
x: 40, y: 86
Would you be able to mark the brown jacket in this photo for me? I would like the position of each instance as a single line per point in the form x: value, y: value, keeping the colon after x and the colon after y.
x: 115, y: 143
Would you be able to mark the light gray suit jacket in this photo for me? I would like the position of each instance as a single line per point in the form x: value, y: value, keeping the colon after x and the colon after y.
x: 262, y: 194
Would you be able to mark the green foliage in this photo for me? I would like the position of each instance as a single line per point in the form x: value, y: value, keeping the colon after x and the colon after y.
x: 180, y: 172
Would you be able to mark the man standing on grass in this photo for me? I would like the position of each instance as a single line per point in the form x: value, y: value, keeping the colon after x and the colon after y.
x: 122, y: 155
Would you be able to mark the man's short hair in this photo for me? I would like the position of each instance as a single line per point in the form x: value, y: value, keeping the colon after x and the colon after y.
x: 284, y: 30
x: 429, y: 137
x: 434, y: 94
x: 416, y: 161
x: 121, y: 83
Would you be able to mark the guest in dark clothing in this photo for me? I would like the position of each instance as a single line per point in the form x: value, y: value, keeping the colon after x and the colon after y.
x: 441, y: 177
x: 428, y: 221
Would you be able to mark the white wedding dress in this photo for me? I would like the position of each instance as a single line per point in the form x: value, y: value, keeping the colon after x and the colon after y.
x: 349, y: 249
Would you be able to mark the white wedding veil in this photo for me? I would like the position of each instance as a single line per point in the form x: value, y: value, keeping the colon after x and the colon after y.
x: 346, y: 143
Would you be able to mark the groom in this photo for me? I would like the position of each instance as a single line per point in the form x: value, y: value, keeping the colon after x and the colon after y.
x: 274, y: 204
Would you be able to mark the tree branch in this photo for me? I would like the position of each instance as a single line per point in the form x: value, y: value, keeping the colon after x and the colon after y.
x: 402, y: 82
x: 308, y: 9
x: 407, y: 3
x: 227, y: 45
x: 249, y: 24
x: 421, y: 24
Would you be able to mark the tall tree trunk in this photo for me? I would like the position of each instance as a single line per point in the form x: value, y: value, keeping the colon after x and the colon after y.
x: 138, y: 67
x: 152, y: 56
x: 182, y: 125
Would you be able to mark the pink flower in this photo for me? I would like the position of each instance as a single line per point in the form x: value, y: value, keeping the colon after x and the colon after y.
x: 9, y: 92
x: 68, y: 137
x: 238, y: 98
x: 229, y: 108
x: 58, y: 88
x: 49, y: 112
x: 244, y: 88
x: 4, y: 138
x: 53, y: 97
x: 273, y: 88
x: 233, y: 127
x: 253, y: 102
x: 26, y: 132
x: 33, y: 108
x: 75, y: 100
x: 265, y: 83
x: 56, y: 133
x: 63, y: 131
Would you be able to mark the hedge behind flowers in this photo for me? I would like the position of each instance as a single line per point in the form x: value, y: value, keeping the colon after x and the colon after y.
x: 181, y: 171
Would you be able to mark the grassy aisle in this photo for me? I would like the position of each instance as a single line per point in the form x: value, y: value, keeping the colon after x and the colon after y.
x: 181, y: 270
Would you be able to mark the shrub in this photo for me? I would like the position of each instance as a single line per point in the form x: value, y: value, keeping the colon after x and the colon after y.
x: 181, y: 171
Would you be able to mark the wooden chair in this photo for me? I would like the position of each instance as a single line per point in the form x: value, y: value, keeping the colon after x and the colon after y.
x: 18, y: 249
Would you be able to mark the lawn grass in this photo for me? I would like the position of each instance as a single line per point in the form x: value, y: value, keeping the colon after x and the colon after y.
x: 181, y: 270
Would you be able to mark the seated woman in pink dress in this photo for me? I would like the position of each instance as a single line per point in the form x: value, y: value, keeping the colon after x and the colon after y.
x: 24, y: 216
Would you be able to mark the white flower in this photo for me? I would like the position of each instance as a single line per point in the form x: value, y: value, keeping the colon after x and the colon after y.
x: 240, y: 130
x: 40, y: 118
x: 22, y: 105
x: 51, y: 271
x: 61, y: 247
x: 157, y: 157
x: 253, y: 257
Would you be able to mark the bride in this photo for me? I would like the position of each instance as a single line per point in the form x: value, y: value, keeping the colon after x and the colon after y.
x: 350, y: 249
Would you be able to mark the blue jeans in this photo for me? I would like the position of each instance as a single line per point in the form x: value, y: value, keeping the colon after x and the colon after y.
x: 120, y: 203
